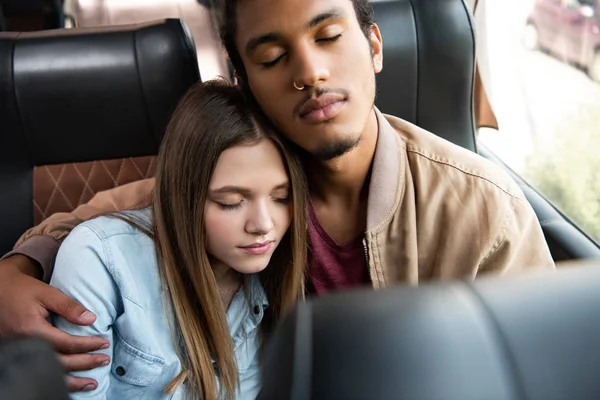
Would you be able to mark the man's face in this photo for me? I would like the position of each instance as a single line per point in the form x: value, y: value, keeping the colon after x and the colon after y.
x: 318, y: 46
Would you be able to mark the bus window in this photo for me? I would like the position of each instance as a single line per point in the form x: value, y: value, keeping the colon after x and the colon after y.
x: 543, y: 65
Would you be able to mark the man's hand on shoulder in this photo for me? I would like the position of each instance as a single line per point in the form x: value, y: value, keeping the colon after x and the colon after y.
x: 27, y: 302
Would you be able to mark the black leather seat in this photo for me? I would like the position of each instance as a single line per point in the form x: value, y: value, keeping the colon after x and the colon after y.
x: 533, y: 337
x: 71, y: 101
x: 428, y: 66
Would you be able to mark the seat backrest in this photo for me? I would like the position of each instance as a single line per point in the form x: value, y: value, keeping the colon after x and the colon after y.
x: 428, y: 66
x: 197, y: 15
x: 534, y: 337
x: 80, y: 112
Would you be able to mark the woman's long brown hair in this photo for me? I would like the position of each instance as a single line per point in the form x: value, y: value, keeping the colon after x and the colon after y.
x: 209, y: 119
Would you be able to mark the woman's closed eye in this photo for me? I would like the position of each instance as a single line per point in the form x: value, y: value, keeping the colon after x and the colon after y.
x: 283, y: 200
x: 229, y: 207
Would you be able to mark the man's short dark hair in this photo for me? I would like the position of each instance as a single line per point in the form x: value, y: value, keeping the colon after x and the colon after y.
x: 363, y: 9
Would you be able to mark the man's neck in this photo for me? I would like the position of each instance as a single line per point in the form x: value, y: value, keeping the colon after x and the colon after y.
x: 345, y: 176
x: 339, y: 187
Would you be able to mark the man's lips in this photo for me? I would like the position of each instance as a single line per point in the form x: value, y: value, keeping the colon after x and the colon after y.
x: 321, y: 108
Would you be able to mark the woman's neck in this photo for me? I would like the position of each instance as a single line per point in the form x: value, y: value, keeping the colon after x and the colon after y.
x: 228, y: 281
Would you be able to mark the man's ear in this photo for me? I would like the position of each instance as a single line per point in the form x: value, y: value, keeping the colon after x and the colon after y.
x: 376, y: 48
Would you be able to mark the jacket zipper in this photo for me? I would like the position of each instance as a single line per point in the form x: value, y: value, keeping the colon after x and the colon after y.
x: 367, y: 259
x: 364, y: 241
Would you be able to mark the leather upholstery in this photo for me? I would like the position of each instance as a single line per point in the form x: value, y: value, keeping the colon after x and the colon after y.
x: 428, y: 66
x: 83, y: 95
x: 197, y: 15
x: 62, y: 187
x: 530, y: 337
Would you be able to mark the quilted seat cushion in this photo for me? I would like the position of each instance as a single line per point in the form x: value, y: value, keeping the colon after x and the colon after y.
x: 63, y: 187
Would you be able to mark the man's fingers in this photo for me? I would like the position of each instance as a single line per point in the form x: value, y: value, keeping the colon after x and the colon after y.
x: 83, y: 362
x: 56, y: 301
x: 81, y: 384
x: 69, y: 344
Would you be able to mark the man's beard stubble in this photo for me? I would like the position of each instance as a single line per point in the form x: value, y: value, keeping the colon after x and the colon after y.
x: 336, y: 149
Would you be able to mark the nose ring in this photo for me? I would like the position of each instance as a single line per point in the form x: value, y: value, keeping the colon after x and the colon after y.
x: 298, y: 87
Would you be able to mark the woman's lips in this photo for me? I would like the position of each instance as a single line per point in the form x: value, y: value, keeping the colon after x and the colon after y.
x: 257, y: 248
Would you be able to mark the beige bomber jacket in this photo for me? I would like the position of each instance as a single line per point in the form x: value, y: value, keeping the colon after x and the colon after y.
x: 435, y: 211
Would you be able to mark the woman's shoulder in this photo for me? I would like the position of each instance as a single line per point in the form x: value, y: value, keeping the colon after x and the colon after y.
x: 126, y: 223
x: 109, y: 245
x: 116, y: 243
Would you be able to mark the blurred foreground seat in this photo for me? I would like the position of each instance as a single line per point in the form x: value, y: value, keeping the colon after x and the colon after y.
x: 534, y: 337
x: 29, y: 370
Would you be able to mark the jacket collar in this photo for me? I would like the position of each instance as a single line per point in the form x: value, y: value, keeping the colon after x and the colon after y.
x: 385, y: 175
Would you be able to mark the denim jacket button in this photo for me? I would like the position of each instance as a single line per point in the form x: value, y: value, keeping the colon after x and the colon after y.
x: 120, y: 371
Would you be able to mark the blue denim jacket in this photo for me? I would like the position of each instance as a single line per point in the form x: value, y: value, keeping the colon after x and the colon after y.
x: 110, y: 267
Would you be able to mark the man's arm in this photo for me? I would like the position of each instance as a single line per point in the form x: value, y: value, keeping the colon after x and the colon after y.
x: 41, y: 242
x: 26, y: 305
x: 27, y: 302
x: 520, y: 245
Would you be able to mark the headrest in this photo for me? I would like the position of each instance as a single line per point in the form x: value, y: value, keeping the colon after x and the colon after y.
x: 77, y: 95
x: 94, y: 93
x: 428, y: 66
x: 534, y: 337
x: 198, y: 15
